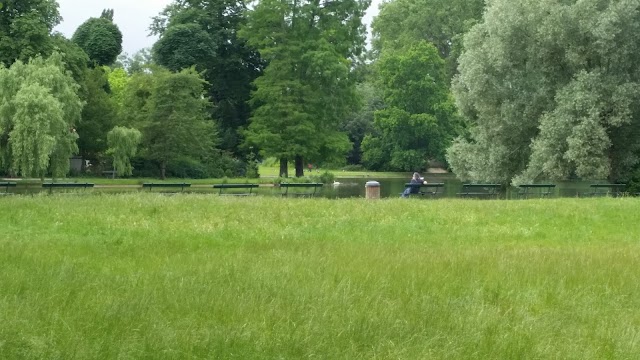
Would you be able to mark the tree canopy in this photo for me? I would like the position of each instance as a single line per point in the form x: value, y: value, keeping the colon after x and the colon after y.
x: 204, y: 34
x: 307, y: 88
x: 39, y: 109
x: 420, y: 119
x: 551, y: 90
x: 100, y: 38
x: 442, y: 23
x: 25, y: 29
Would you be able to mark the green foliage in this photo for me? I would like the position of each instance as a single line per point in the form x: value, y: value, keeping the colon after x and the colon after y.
x: 101, y: 39
x: 420, y: 120
x: 74, y: 58
x: 326, y: 177
x: 25, y: 28
x: 123, y: 146
x: 38, y: 112
x: 118, y: 81
x: 203, y: 34
x: 552, y: 91
x: 361, y: 121
x: 402, y: 23
x: 307, y: 88
x: 183, y: 46
x: 99, y: 115
x: 178, y: 124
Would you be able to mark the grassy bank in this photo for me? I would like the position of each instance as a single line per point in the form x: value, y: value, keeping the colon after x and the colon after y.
x: 193, y: 276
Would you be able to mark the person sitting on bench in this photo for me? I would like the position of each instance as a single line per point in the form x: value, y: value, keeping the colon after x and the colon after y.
x: 416, y: 179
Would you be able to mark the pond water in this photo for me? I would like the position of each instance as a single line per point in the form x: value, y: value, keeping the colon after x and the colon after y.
x: 355, y: 187
x: 343, y: 188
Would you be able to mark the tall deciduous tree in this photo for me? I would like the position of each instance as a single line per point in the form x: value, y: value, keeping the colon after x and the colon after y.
x: 307, y: 88
x: 39, y: 109
x: 179, y: 125
x: 25, y: 29
x: 100, y: 38
x: 98, y: 115
x: 203, y: 34
x: 420, y: 120
x: 552, y: 91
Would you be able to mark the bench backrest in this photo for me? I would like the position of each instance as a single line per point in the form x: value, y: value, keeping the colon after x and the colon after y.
x: 611, y: 186
x: 235, y: 186
x: 302, y: 185
x: 152, y: 185
x: 489, y: 189
x: 8, y: 184
x: 537, y: 186
x: 67, y: 185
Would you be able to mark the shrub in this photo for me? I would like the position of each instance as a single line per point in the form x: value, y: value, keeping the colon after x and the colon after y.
x: 325, y: 178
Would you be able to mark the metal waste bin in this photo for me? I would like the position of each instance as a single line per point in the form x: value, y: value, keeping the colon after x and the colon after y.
x: 372, y: 189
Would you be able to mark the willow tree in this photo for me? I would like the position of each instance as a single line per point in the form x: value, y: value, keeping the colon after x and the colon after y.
x: 307, y: 88
x: 123, y: 145
x: 551, y: 90
x: 39, y: 109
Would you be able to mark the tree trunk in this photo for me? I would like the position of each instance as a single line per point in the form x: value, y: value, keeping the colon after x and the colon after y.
x: 284, y: 168
x: 299, y: 166
x: 163, y: 169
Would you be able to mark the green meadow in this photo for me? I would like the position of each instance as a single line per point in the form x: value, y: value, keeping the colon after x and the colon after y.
x: 150, y: 276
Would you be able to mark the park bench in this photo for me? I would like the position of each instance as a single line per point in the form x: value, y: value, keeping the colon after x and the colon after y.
x: 535, y: 190
x: 7, y: 185
x: 110, y: 174
x: 302, y: 189
x: 614, y: 190
x: 430, y: 189
x: 480, y: 190
x: 232, y: 189
x: 151, y: 186
x: 52, y: 186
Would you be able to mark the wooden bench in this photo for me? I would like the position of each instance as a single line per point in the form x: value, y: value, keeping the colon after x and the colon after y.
x: 430, y: 189
x: 614, y: 190
x: 480, y: 190
x: 7, y: 185
x: 224, y: 187
x: 536, y: 190
x: 52, y: 186
x: 308, y: 189
x: 151, y: 186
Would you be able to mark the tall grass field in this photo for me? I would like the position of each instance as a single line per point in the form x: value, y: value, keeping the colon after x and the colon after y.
x: 150, y: 276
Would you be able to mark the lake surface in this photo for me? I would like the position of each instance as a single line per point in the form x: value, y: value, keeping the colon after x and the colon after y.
x: 355, y: 187
x: 343, y: 188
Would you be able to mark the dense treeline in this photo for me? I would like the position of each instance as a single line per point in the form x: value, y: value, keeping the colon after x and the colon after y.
x: 496, y: 91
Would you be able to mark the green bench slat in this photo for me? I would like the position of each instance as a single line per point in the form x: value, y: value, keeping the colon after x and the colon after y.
x: 52, y: 186
x: 490, y: 190
x: 166, y: 185
x: 222, y: 187
x: 544, y: 190
x: 6, y: 186
x: 613, y: 189
x: 67, y: 185
x: 313, y: 186
x: 423, y: 189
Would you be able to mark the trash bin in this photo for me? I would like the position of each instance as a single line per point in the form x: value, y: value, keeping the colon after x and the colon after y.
x: 373, y: 189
